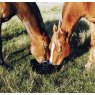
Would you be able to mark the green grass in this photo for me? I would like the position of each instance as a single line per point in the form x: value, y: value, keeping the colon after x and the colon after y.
x: 71, y: 78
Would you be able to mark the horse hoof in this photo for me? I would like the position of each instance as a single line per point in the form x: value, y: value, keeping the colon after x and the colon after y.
x: 43, y: 68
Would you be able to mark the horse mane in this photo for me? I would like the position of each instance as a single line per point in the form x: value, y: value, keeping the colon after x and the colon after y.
x: 64, y: 9
x: 34, y: 8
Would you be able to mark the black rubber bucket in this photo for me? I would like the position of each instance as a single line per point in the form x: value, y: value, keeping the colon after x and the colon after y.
x: 45, y: 67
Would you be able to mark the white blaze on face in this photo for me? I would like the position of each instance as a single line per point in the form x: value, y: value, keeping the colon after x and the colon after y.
x: 52, y: 49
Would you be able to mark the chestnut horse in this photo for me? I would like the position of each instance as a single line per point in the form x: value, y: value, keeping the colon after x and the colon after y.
x: 71, y: 14
x: 30, y: 15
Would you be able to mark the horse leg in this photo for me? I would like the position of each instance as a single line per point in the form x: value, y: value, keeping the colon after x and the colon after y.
x: 1, y: 57
x: 91, y: 58
x: 92, y: 50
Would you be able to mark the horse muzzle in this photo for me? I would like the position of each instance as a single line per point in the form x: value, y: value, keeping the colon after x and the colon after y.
x: 45, y: 67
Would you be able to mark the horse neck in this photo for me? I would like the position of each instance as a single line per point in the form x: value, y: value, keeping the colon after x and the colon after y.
x: 27, y: 16
x: 70, y: 18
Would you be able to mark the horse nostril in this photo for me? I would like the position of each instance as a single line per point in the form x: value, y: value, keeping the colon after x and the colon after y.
x: 46, y: 63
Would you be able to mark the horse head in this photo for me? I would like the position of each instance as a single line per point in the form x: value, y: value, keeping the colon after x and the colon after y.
x: 40, y: 48
x: 59, y: 45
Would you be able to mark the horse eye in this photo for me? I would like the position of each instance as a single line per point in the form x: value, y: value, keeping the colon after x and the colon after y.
x: 66, y: 33
x: 46, y: 46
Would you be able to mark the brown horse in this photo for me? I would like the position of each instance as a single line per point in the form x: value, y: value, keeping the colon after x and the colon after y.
x: 71, y: 14
x: 30, y: 16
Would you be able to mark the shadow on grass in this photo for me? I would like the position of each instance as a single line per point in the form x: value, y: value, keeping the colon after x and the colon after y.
x: 15, y: 34
x: 77, y: 50
x: 18, y: 53
x: 80, y: 45
x: 13, y: 56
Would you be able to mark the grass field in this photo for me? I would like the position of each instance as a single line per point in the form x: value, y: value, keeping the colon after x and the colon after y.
x: 71, y: 78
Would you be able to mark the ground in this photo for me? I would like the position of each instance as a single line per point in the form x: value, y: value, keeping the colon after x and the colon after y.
x: 71, y: 78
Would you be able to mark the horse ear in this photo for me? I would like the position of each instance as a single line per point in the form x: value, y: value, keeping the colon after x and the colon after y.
x: 54, y: 28
x: 59, y: 26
